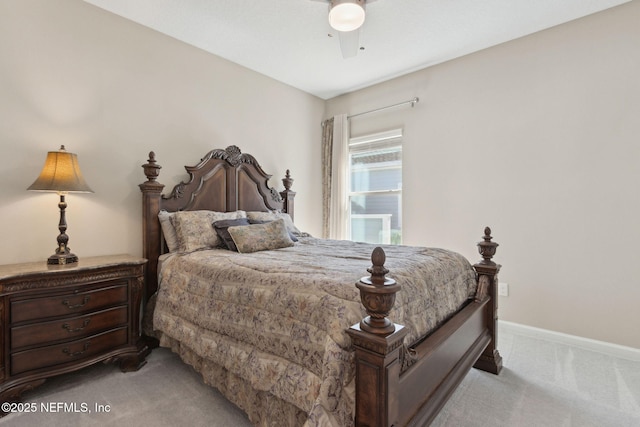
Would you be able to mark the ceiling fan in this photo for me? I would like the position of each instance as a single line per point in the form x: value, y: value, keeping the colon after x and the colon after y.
x: 347, y: 17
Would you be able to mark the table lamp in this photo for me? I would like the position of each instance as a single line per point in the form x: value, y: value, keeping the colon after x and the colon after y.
x: 61, y: 173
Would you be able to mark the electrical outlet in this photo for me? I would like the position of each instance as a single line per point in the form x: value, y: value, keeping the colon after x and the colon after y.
x: 503, y: 289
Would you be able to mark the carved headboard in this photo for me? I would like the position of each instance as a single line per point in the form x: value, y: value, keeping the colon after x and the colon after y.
x: 224, y: 181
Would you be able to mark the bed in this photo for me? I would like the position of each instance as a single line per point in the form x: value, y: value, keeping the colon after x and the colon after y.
x: 284, y: 328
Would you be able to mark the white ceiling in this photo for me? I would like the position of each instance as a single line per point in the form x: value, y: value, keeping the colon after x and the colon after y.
x: 289, y: 40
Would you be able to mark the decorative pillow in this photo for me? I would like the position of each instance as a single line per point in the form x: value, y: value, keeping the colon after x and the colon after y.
x: 273, y: 215
x: 194, y: 230
x: 168, y: 231
x: 260, y: 237
x: 222, y: 228
x: 258, y: 221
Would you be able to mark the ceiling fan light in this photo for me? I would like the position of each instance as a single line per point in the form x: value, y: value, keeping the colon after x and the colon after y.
x: 346, y: 15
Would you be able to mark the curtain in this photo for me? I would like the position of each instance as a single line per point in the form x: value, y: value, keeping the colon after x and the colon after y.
x: 327, y: 148
x: 335, y: 138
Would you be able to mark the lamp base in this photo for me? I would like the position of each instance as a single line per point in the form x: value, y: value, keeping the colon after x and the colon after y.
x: 62, y: 259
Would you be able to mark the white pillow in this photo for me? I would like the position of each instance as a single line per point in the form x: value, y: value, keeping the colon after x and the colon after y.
x: 168, y: 231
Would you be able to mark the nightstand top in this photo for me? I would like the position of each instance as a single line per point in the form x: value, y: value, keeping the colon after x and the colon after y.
x: 86, y: 263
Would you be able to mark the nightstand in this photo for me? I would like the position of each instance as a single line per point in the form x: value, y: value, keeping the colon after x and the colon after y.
x: 57, y: 319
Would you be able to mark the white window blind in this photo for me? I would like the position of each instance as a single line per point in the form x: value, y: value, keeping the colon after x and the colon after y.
x: 375, y: 188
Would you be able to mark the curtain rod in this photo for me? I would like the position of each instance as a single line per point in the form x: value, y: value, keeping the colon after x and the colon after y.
x: 413, y: 102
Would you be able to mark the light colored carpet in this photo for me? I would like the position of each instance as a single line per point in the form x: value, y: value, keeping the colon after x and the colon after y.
x: 547, y: 384
x: 165, y: 392
x: 542, y: 384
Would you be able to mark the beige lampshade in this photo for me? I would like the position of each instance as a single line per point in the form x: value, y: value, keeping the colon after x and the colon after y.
x: 61, y: 173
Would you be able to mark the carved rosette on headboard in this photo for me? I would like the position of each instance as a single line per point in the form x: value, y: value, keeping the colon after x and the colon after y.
x: 233, y: 156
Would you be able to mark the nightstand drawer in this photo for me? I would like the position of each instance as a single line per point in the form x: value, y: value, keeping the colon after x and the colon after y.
x: 68, y: 352
x: 68, y: 328
x: 66, y: 304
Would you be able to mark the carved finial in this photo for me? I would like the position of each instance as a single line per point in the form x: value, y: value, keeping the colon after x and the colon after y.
x: 487, y: 248
x: 377, y: 294
x: 287, y: 181
x: 378, y: 270
x: 487, y: 234
x: 151, y: 169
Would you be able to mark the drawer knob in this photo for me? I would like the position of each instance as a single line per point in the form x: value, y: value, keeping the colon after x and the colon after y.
x: 68, y: 352
x: 78, y: 329
x: 70, y: 306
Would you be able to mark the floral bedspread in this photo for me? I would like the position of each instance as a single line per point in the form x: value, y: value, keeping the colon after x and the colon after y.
x: 276, y: 320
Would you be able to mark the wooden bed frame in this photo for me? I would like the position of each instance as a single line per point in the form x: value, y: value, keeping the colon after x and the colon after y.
x: 394, y: 386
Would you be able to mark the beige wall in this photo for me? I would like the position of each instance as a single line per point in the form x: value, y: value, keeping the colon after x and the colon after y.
x: 538, y: 138
x: 111, y: 91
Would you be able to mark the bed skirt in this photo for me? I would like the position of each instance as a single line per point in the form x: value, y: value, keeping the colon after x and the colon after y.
x: 256, y: 404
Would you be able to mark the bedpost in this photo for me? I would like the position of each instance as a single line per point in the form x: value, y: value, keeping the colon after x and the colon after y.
x: 377, y: 342
x: 151, y: 195
x: 487, y: 272
x: 287, y: 195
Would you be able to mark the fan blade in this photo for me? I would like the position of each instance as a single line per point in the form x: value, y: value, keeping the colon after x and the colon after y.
x: 349, y: 43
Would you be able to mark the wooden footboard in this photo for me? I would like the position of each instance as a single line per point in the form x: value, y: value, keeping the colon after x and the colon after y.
x: 396, y: 386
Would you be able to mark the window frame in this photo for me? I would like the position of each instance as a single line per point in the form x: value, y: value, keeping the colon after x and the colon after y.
x: 391, y: 139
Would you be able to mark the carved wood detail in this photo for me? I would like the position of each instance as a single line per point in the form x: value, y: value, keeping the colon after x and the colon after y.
x: 224, y: 179
x: 483, y: 288
x: 487, y: 271
x: 275, y: 196
x: 137, y: 286
x: 151, y: 168
x: 231, y: 155
x: 378, y: 294
x: 14, y: 394
x: 408, y: 357
x: 52, y: 281
x: 287, y: 181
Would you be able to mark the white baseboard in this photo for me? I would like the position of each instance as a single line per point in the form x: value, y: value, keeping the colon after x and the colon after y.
x: 603, y: 347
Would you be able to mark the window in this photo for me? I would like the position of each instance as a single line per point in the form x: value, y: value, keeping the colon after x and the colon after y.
x: 375, y: 188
